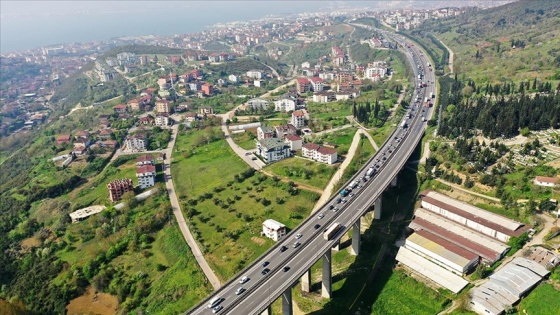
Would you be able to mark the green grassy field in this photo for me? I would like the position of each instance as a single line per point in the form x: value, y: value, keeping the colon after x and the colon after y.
x: 363, y: 153
x: 304, y: 171
x: 246, y: 140
x: 226, y: 208
x: 342, y: 139
x: 541, y: 301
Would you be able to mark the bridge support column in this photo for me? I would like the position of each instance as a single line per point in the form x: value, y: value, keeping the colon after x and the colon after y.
x: 336, y: 246
x: 287, y: 307
x: 306, y: 282
x: 394, y: 182
x: 355, y: 249
x: 326, y: 290
x: 268, y: 311
x: 377, y: 208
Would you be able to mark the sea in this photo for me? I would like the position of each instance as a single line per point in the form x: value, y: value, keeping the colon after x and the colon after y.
x: 32, y: 24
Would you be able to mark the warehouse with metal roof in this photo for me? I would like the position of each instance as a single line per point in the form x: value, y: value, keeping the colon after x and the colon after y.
x: 442, y: 252
x: 473, y: 217
x: 439, y: 275
x: 506, y: 286
x: 489, y: 249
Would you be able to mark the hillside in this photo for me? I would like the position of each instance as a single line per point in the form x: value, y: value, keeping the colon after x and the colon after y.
x: 510, y: 43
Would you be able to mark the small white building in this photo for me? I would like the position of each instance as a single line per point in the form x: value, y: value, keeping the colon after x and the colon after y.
x: 258, y: 103
x: 146, y: 176
x: 264, y: 132
x: 318, y: 153
x: 135, y: 143
x: 161, y: 121
x: 233, y: 78
x: 258, y: 83
x: 295, y: 142
x: 546, y: 181
x: 274, y: 229
x: 284, y: 105
x: 254, y: 74
x: 298, y: 118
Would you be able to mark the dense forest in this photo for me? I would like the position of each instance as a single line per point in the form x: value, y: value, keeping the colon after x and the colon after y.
x: 499, y: 110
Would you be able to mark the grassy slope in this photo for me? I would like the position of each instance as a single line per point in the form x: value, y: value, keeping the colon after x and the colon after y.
x: 486, y: 30
x: 543, y: 301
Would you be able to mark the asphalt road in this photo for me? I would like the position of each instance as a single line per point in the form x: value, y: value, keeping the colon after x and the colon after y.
x: 262, y: 290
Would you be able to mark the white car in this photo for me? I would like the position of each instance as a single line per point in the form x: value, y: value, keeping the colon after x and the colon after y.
x: 244, y: 279
x: 298, y: 236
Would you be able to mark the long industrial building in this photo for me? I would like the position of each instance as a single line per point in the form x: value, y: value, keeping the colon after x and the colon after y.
x: 480, y: 220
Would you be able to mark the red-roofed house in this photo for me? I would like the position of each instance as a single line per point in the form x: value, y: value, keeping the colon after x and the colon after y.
x: 303, y: 85
x: 145, y: 159
x: 319, y: 153
x: 121, y: 108
x: 206, y: 89
x: 146, y: 120
x: 546, y: 181
x: 63, y: 139
x: 283, y: 130
x: 105, y: 134
x: 146, y: 176
x: 316, y: 84
x: 298, y: 118
x: 294, y: 142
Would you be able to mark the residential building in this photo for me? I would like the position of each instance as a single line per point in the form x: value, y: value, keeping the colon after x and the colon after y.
x: 63, y: 139
x: 284, y: 105
x: 145, y: 159
x: 190, y: 117
x: 298, y: 118
x: 272, y: 149
x: 206, y: 89
x: 134, y: 104
x: 264, y: 132
x: 162, y: 107
x: 547, y: 181
x: 118, y: 187
x: 375, y: 71
x: 258, y: 103
x: 161, y: 121
x: 295, y: 142
x: 274, y: 229
x: 105, y: 134
x: 324, y: 97
x: 120, y: 109
x: 282, y: 131
x: 254, y: 74
x: 135, y: 143
x: 318, y: 153
x: 146, y: 120
x: 258, y: 83
x: 316, y: 84
x: 233, y: 78
x: 302, y: 85
x: 146, y: 176
x: 205, y: 110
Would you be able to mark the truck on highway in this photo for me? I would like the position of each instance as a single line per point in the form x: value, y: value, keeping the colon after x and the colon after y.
x: 352, y: 185
x: 331, y: 231
x: 370, y: 171
x: 404, y: 124
x: 344, y: 192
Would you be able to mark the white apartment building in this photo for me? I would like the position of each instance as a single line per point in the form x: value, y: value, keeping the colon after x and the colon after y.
x: 274, y: 229
x: 254, y: 74
x: 135, y: 143
x: 146, y: 176
x: 273, y: 149
x: 284, y: 105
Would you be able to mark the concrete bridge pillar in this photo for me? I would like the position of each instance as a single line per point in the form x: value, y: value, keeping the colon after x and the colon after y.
x: 287, y: 307
x: 394, y: 182
x: 336, y: 246
x: 326, y: 290
x: 377, y: 208
x: 355, y: 249
x: 306, y: 281
x: 268, y: 311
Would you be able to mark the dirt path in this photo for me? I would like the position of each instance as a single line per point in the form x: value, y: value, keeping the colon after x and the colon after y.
x: 399, y: 100
x: 451, y: 56
x: 338, y: 175
x: 468, y: 191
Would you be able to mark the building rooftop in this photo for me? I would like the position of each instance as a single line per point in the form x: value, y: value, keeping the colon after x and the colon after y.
x: 273, y: 224
x: 544, y: 179
x: 271, y: 143
x: 442, y: 247
x: 85, y: 212
x: 145, y: 169
x: 486, y: 218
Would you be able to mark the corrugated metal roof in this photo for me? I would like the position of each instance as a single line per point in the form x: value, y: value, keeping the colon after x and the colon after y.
x: 442, y: 248
x: 485, y: 217
x: 431, y: 271
x: 462, y: 230
x: 531, y: 265
x: 465, y: 243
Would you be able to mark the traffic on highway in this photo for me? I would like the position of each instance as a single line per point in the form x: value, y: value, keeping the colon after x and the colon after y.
x: 277, y: 270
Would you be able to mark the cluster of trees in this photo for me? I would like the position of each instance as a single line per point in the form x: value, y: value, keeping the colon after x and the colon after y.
x: 474, y: 151
x: 503, y: 117
x: 367, y: 114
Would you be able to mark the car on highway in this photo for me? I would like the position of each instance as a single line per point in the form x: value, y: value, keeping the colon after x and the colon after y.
x: 286, y: 268
x: 265, y: 271
x: 298, y: 236
x: 264, y: 264
x: 321, y: 215
x: 331, y: 207
x: 296, y: 244
x: 283, y: 249
x: 244, y: 279
x: 239, y: 290
x: 217, y: 309
x: 317, y: 226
